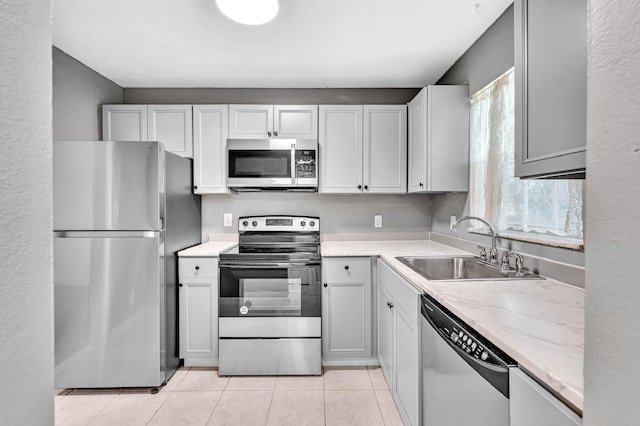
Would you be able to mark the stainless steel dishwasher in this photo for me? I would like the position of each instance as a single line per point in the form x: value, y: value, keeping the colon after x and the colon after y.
x: 465, y: 379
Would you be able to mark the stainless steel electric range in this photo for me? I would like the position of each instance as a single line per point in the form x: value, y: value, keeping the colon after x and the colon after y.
x: 270, y: 298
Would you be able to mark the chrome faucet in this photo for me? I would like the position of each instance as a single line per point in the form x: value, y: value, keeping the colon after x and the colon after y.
x: 506, y: 267
x: 493, y: 254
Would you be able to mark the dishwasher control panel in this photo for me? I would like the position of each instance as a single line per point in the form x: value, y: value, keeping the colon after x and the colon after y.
x: 462, y: 337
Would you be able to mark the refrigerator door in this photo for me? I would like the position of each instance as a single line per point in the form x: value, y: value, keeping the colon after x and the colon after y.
x: 106, y: 185
x: 108, y: 316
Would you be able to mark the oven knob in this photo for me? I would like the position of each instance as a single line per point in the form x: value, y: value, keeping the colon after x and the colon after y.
x: 312, y: 223
x: 245, y: 223
x: 254, y: 223
x: 484, y: 356
x: 303, y: 223
x: 454, y: 337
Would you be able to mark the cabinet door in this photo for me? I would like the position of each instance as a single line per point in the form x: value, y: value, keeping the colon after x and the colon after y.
x: 407, y: 368
x: 447, y: 138
x: 198, y: 313
x: 209, y: 149
x: 417, y: 176
x: 346, y: 318
x: 531, y: 405
x: 124, y: 123
x: 250, y: 121
x: 295, y: 121
x: 385, y: 149
x: 340, y: 145
x: 551, y: 87
x: 385, y: 334
x: 172, y: 125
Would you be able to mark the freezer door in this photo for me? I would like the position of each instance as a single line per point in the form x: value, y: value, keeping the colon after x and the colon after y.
x: 108, y: 185
x: 108, y: 294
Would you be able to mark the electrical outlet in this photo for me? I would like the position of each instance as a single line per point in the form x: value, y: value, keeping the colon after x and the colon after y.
x: 377, y: 221
x: 453, y: 220
x: 228, y: 219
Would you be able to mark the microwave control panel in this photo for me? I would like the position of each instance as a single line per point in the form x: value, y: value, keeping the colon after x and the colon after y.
x: 306, y: 164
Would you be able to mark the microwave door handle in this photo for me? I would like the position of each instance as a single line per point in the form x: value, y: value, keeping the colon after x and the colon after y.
x: 294, y: 172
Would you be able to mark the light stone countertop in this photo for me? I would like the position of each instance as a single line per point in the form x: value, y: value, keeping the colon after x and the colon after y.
x: 539, y: 323
x: 210, y: 249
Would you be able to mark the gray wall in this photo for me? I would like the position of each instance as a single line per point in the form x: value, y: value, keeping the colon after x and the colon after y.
x: 77, y: 93
x: 612, y: 329
x: 26, y: 304
x: 488, y: 58
x: 268, y: 96
x: 338, y: 213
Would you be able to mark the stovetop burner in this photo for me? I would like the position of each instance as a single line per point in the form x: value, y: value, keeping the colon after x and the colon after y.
x: 276, y: 238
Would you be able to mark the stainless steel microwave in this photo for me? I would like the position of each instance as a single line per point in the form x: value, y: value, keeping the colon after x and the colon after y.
x: 272, y: 164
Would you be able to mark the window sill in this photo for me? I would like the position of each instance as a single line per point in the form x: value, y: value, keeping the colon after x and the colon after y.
x: 542, y: 239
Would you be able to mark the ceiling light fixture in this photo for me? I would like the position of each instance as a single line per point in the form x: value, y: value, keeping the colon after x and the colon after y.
x: 249, y: 12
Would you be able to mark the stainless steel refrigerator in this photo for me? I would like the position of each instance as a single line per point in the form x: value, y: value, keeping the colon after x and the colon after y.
x: 121, y: 211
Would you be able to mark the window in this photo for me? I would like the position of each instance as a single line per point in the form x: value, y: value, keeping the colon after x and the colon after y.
x: 548, y: 210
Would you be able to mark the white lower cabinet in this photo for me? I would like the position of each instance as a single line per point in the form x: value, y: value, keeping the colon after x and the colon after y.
x: 198, y: 311
x: 532, y: 405
x: 399, y: 341
x: 346, y: 311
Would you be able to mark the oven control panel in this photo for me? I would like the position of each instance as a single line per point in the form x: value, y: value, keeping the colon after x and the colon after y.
x: 278, y: 223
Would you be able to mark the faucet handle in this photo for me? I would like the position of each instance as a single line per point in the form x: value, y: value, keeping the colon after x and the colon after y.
x: 483, y: 253
x: 506, y: 266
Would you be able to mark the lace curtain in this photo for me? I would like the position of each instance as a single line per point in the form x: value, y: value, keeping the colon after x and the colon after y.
x: 510, y: 204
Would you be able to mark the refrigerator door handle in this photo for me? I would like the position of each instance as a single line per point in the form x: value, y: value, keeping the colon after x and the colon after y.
x: 106, y: 234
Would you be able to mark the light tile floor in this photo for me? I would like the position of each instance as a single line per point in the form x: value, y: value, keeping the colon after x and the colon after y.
x: 199, y: 396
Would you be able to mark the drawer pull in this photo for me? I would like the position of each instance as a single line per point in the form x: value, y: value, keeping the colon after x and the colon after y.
x: 346, y: 267
x: 197, y: 268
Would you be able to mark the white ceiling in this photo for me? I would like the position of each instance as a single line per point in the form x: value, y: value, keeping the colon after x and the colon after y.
x: 310, y: 44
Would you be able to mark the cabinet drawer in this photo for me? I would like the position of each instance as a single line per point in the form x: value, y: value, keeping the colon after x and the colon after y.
x: 345, y: 267
x: 196, y: 267
x: 403, y: 293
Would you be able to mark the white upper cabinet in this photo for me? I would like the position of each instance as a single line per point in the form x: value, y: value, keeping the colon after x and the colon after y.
x: 550, y: 88
x: 295, y: 121
x: 124, y: 123
x: 363, y: 149
x: 340, y: 146
x: 169, y: 124
x: 269, y: 121
x: 384, y: 164
x: 439, y: 140
x: 209, y: 149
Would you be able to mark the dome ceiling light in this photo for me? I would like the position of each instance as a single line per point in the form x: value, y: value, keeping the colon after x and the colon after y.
x: 249, y: 12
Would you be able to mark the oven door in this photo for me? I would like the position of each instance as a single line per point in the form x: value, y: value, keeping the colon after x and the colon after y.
x: 270, y: 290
x: 261, y: 163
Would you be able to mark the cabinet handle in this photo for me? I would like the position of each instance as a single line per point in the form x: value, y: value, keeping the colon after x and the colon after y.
x: 390, y: 305
x: 269, y: 133
x: 180, y: 285
x: 197, y: 268
x: 195, y: 187
x: 346, y: 267
x: 325, y: 284
x: 366, y: 187
x: 421, y: 184
x: 359, y: 186
x: 275, y: 133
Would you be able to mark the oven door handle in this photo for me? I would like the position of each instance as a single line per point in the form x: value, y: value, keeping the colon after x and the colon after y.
x: 267, y: 265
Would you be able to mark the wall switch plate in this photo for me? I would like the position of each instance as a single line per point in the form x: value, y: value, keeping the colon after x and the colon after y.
x: 228, y: 219
x: 377, y: 221
x: 453, y: 220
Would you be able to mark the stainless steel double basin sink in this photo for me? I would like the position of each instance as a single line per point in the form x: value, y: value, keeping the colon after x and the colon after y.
x: 461, y: 268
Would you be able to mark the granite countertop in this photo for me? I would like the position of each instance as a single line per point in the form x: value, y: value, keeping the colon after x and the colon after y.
x: 211, y: 249
x: 539, y: 323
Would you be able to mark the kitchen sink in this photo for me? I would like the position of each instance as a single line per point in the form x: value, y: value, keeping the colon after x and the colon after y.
x: 461, y: 268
